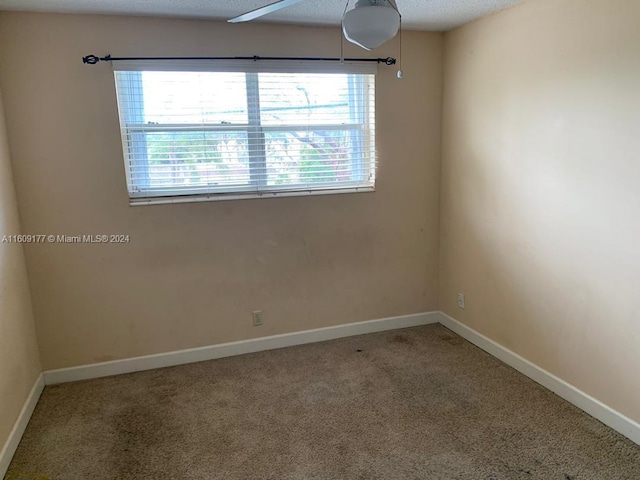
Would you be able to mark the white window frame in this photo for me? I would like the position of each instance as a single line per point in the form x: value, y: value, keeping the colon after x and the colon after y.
x: 132, y: 123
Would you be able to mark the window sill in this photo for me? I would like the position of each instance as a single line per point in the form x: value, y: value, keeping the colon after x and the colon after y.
x: 141, y: 201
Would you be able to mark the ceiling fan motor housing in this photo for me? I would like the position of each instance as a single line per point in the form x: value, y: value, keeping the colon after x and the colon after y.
x: 371, y: 23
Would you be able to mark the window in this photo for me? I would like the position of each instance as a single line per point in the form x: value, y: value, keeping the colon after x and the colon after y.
x: 195, y: 132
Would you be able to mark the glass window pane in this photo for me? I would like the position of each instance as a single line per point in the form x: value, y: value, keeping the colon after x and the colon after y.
x: 314, y: 157
x: 309, y: 99
x: 194, y: 97
x: 196, y: 159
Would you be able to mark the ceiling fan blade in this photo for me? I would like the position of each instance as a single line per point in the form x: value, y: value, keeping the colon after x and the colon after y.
x: 259, y: 12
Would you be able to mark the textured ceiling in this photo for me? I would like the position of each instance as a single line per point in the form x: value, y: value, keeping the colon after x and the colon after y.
x: 416, y: 14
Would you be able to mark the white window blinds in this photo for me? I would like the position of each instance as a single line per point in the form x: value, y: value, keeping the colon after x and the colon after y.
x: 213, y: 130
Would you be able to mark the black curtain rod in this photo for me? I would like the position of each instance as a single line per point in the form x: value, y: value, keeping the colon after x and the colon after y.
x: 93, y: 59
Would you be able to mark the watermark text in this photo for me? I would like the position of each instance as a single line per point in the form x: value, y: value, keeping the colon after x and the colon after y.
x: 43, y: 238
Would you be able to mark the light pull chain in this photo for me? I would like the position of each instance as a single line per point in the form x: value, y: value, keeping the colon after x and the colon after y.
x: 395, y: 7
x: 400, y: 74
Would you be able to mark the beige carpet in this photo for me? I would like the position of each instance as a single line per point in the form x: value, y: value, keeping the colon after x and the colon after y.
x: 418, y: 403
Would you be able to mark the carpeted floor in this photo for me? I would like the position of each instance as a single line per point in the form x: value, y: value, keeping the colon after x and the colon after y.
x: 418, y: 403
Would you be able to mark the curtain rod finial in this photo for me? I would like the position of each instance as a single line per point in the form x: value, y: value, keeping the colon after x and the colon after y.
x: 93, y: 59
x: 90, y: 59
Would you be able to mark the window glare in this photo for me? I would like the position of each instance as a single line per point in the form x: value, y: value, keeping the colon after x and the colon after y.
x: 314, y: 99
x: 194, y: 97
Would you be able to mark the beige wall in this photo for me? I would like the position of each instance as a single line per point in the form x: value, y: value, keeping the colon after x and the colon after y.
x: 19, y: 362
x: 193, y: 273
x: 541, y: 188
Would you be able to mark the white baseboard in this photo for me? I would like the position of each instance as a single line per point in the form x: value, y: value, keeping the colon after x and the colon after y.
x: 181, y: 357
x: 10, y: 446
x: 622, y: 424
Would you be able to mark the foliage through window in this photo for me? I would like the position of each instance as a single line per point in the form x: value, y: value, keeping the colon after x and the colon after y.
x: 230, y: 134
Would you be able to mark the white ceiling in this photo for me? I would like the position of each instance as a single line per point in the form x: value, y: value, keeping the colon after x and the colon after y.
x: 416, y: 14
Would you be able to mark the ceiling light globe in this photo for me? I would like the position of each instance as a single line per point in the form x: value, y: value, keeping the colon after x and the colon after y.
x: 370, y: 26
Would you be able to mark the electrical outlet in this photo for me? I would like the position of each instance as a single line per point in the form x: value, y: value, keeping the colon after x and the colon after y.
x: 461, y: 300
x: 257, y: 318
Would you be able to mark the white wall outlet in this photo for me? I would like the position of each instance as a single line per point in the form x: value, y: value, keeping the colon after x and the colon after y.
x: 257, y: 318
x: 461, y: 300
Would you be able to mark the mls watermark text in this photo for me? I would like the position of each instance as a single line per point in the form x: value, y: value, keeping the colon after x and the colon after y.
x: 108, y: 238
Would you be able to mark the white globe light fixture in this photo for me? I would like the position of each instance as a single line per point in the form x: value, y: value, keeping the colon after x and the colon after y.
x: 371, y: 23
